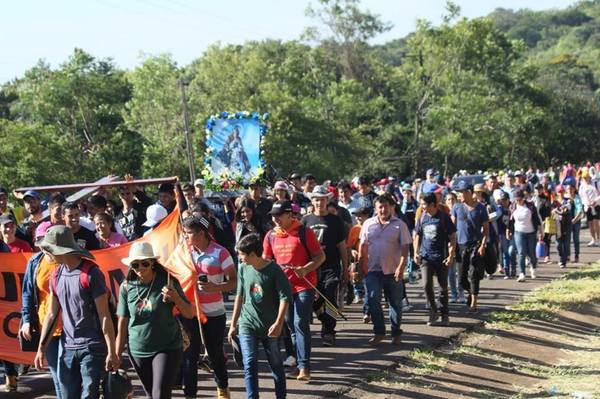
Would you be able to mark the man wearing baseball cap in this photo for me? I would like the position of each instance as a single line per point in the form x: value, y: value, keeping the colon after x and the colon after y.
x: 33, y: 206
x: 297, y: 249
x: 472, y: 228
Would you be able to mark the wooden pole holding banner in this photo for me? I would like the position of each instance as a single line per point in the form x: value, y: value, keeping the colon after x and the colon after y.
x: 188, y: 135
x: 79, y: 186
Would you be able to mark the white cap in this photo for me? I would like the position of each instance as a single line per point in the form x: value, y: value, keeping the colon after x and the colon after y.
x: 154, y: 214
x: 199, y: 182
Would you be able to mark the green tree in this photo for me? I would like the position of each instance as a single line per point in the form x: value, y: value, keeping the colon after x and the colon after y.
x: 82, y: 100
x: 155, y: 112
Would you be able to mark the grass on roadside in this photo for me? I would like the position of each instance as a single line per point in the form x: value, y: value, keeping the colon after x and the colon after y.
x: 573, y: 290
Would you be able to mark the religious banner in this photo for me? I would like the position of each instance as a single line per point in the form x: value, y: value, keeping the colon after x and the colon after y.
x: 233, y: 149
x: 166, y: 240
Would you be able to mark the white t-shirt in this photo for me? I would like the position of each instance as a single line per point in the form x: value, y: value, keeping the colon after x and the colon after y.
x: 523, y: 219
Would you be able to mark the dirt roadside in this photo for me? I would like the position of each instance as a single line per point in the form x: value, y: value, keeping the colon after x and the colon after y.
x: 541, y: 353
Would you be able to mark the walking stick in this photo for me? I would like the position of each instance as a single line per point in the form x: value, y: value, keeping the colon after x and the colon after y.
x: 328, y: 304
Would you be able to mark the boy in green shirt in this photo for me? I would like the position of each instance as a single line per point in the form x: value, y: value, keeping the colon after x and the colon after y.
x: 261, y: 302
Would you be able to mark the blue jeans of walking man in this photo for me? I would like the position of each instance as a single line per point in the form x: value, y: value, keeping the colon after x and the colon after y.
x: 298, y: 320
x: 376, y: 282
x: 249, y: 347
x: 80, y: 372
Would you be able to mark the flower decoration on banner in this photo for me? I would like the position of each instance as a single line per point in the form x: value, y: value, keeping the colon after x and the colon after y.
x: 234, y: 155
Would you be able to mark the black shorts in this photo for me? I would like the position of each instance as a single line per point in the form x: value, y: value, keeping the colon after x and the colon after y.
x: 593, y: 214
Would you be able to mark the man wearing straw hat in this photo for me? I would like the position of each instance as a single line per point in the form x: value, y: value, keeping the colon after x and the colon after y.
x: 88, y: 332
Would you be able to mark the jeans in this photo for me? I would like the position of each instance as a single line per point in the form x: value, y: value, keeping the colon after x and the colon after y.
x: 10, y: 369
x: 563, y: 245
x: 214, y: 334
x: 576, y: 243
x: 328, y: 285
x: 470, y: 275
x: 509, y: 258
x: 525, y: 243
x: 80, y: 372
x: 53, y: 352
x: 189, y: 365
x: 376, y: 282
x: 158, y: 373
x: 452, y: 281
x: 429, y: 269
x: 298, y: 320
x: 249, y: 347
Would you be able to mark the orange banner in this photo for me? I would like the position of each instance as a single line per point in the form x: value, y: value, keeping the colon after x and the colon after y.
x: 167, y: 241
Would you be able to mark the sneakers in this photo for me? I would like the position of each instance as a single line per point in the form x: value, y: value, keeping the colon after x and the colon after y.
x: 532, y: 272
x: 366, y: 319
x: 547, y: 259
x: 507, y: 277
x: 290, y: 361
x: 223, y: 393
x: 357, y: 300
x: 591, y: 243
x: 521, y: 277
x: 577, y: 259
x: 328, y: 340
x: 397, y: 341
x: 376, y: 340
x: 432, y: 319
x: 562, y: 265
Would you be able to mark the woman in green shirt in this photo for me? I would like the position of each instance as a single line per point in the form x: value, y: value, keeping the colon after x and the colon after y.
x: 145, y: 310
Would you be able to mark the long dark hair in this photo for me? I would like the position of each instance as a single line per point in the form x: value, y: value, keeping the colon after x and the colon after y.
x: 156, y: 266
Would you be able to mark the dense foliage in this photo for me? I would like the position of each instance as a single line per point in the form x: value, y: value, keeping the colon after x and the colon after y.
x: 516, y: 88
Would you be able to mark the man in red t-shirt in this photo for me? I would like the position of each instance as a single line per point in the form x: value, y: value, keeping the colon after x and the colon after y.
x: 300, y: 259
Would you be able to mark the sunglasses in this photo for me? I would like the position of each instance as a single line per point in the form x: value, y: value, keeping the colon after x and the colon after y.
x: 145, y: 263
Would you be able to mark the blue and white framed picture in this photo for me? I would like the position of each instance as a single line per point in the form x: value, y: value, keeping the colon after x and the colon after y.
x: 233, y: 145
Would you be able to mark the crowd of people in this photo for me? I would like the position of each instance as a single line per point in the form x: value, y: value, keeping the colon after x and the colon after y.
x: 290, y: 252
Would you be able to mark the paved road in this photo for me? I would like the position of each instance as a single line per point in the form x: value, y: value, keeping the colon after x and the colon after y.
x: 336, y: 370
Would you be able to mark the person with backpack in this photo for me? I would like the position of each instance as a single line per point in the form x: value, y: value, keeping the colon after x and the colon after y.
x: 297, y: 250
x: 146, y: 322
x: 79, y: 295
x: 435, y: 243
x: 525, y: 225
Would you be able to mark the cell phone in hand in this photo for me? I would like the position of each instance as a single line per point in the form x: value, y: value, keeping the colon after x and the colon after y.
x: 203, y: 278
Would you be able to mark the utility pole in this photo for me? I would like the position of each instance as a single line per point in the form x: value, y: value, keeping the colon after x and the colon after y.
x: 188, y: 135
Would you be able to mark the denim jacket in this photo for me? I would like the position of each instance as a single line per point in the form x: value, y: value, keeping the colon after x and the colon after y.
x: 29, y: 296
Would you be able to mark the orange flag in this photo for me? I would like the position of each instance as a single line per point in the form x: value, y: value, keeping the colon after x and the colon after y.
x: 167, y: 240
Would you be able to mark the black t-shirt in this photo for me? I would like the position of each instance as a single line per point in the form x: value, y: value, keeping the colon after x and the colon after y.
x: 329, y: 230
x: 435, y: 232
x: 131, y: 223
x: 86, y: 239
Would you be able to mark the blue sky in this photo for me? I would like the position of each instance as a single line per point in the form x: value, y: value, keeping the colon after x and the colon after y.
x: 126, y: 29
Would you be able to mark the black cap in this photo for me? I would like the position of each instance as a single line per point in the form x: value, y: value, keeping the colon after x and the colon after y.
x: 281, y: 207
x: 295, y: 176
x: 3, y: 190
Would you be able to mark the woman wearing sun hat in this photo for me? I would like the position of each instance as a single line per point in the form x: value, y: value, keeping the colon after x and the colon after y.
x: 145, y: 310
